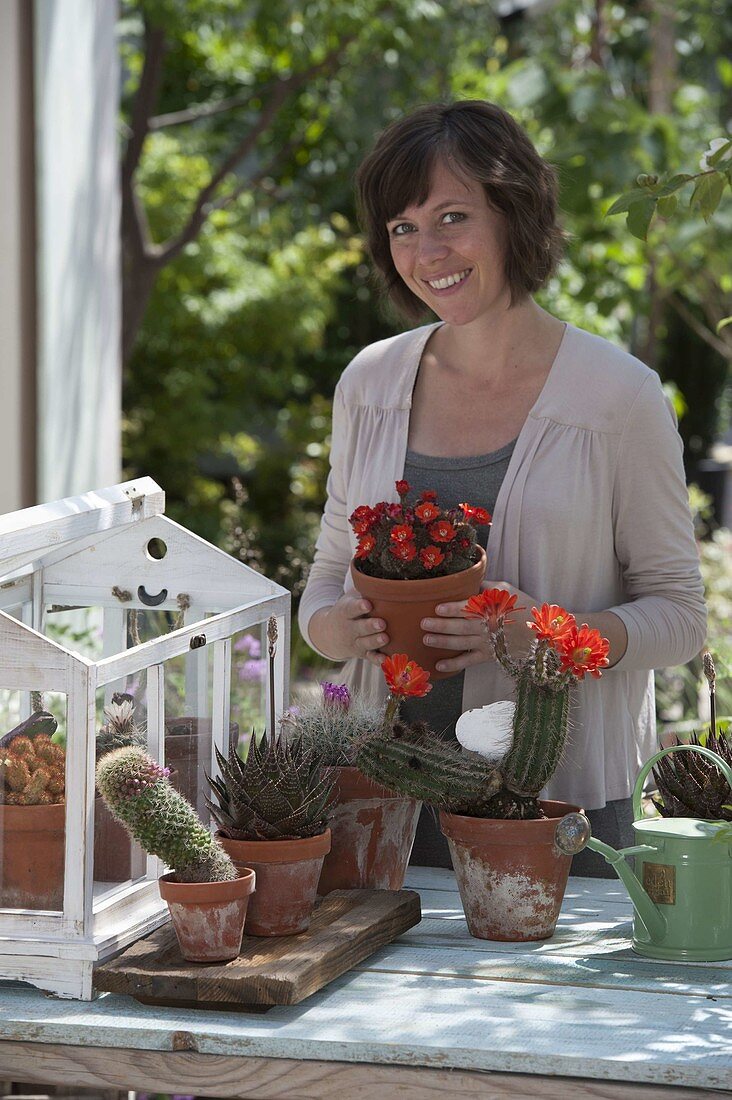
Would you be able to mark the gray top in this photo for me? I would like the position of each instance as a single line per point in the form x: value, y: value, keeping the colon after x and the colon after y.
x: 475, y: 479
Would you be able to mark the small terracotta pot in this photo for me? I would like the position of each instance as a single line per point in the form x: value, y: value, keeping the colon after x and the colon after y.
x: 32, y: 856
x: 208, y: 917
x: 372, y: 835
x: 287, y: 881
x: 403, y: 604
x: 510, y: 874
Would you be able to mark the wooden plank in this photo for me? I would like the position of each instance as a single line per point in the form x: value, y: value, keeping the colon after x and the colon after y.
x: 346, y: 928
x: 26, y: 534
x: 252, y: 1078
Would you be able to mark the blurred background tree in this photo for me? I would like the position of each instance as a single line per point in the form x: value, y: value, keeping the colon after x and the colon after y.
x: 246, y: 287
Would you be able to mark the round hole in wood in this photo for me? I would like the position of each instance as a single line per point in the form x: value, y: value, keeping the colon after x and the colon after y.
x: 156, y: 549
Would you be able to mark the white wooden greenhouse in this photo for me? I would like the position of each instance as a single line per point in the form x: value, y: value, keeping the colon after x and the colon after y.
x: 103, y: 594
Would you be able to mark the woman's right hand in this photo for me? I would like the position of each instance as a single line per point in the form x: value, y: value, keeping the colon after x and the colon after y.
x: 346, y: 630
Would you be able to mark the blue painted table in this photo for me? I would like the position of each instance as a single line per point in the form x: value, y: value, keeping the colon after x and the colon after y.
x: 435, y: 1014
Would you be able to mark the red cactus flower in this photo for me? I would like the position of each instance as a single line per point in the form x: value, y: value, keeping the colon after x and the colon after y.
x: 431, y: 557
x: 428, y: 494
x: 583, y: 650
x: 479, y: 517
x: 493, y: 606
x: 442, y: 531
x: 551, y: 622
x: 405, y: 551
x: 405, y: 678
x: 365, y: 546
x: 402, y: 533
x: 362, y: 514
x: 402, y: 487
x: 394, y: 511
x: 426, y: 512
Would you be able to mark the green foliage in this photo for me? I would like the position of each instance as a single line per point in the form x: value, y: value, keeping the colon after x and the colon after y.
x: 279, y: 792
x: 140, y: 796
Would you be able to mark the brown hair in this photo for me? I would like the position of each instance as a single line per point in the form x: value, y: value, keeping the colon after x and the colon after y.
x: 484, y: 142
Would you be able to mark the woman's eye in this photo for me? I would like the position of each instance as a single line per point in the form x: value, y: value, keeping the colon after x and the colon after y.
x: 401, y: 229
x: 454, y: 216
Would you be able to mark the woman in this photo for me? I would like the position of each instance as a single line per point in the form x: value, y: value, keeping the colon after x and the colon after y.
x: 566, y: 439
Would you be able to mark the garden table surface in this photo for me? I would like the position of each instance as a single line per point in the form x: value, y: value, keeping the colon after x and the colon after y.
x: 435, y: 1014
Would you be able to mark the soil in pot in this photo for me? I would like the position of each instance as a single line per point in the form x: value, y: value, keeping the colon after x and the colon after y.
x: 287, y: 881
x: 510, y: 874
x: 32, y: 856
x: 208, y: 917
x: 403, y: 605
x: 372, y: 832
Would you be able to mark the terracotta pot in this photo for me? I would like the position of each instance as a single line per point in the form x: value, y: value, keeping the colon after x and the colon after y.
x: 372, y: 835
x: 208, y: 917
x: 403, y: 604
x: 117, y: 857
x: 510, y: 874
x: 32, y: 856
x: 287, y: 881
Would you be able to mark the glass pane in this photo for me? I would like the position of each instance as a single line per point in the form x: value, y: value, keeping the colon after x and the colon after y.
x: 248, y: 682
x: 187, y: 681
x: 32, y: 806
x: 117, y: 858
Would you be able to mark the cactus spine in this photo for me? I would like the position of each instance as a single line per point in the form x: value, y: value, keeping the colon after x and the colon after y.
x: 415, y: 762
x: 539, y: 735
x: 139, y: 794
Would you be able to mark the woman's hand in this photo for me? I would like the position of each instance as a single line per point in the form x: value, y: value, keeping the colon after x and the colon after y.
x: 345, y: 630
x: 468, y: 636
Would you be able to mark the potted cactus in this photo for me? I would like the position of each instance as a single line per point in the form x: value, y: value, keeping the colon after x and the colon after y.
x: 32, y: 815
x: 272, y: 812
x: 206, y: 894
x: 510, y: 872
x: 372, y: 828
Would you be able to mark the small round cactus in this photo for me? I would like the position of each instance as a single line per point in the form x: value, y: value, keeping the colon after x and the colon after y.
x: 139, y: 794
x: 32, y: 772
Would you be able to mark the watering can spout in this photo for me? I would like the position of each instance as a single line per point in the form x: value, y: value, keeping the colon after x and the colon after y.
x: 574, y: 834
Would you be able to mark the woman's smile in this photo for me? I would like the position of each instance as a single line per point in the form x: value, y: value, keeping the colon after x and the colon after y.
x: 445, y: 284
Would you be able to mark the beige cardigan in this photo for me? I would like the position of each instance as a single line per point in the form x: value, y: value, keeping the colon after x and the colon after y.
x: 592, y: 514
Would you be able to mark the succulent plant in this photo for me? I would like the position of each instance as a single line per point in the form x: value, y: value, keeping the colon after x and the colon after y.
x: 690, y: 785
x: 33, y: 771
x: 279, y: 792
x: 139, y: 795
x: 330, y: 724
x: 120, y: 728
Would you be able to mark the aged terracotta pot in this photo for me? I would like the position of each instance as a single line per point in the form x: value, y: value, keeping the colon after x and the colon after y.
x: 32, y: 856
x: 287, y: 881
x: 372, y: 835
x: 403, y: 604
x: 510, y: 874
x: 208, y: 917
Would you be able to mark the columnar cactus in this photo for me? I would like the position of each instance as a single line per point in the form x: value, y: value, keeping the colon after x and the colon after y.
x: 33, y: 771
x: 539, y: 734
x: 139, y: 794
x: 417, y: 763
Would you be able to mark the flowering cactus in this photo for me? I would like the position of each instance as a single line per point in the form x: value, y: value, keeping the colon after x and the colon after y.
x: 139, y: 794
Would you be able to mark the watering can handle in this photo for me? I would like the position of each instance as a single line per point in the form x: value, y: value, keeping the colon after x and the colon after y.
x: 638, y: 789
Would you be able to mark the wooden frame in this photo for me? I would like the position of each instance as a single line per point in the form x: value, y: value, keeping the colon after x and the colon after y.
x: 96, y: 550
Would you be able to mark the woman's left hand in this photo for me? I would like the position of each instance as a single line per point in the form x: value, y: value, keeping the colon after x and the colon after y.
x: 450, y: 629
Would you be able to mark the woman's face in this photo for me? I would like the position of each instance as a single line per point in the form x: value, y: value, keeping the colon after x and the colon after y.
x: 450, y: 250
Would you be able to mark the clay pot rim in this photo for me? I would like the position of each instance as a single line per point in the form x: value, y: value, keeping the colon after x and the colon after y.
x: 352, y: 784
x: 419, y: 588
x: 293, y: 850
x: 53, y: 816
x: 207, y: 893
x: 473, y: 830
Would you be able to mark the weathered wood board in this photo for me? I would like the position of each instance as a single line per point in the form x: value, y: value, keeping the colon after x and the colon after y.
x: 347, y: 927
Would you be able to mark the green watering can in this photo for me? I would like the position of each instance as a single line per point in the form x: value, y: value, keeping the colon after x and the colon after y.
x: 682, y: 886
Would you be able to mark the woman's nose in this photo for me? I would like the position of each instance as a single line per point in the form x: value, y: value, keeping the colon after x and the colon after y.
x: 431, y: 247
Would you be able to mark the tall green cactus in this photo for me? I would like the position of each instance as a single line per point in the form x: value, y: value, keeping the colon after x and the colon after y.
x: 139, y: 794
x: 539, y: 734
x: 417, y: 763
